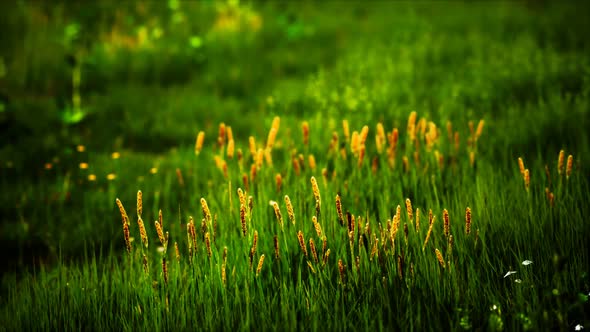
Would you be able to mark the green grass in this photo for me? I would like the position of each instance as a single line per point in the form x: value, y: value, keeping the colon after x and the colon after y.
x: 517, y: 66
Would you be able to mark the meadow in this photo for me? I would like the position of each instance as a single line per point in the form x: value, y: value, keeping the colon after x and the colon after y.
x: 272, y: 166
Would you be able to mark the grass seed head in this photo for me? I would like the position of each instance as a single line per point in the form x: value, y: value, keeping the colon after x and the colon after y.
x: 243, y: 219
x: 354, y: 143
x: 312, y: 163
x: 314, y: 253
x: 279, y: 181
x: 479, y: 129
x: 276, y: 245
x: 521, y: 166
x: 252, y: 146
x: 272, y: 135
x: 560, y: 162
x: 160, y: 218
x: 165, y: 270
x: 346, y: 130
x: 208, y: 244
x: 222, y: 135
x: 339, y: 209
x: 305, y: 130
x: 417, y: 219
x: 428, y: 234
x: 290, y: 211
x: 142, y: 232
x: 199, y: 142
x: 326, y: 256
x: 467, y: 220
x: 316, y: 226
x: 302, y: 242
x: 316, y: 189
x: 363, y: 135
x: 177, y: 252
x: 570, y: 164
x: 409, y: 210
x: 341, y: 270
x: 440, y: 258
x: 160, y: 232
x: 241, y: 196
x: 122, y: 211
x: 255, y: 242
x: 260, y: 263
x: 527, y: 179
x: 139, y: 203
x: 206, y: 211
x: 230, y: 148
x: 446, y: 223
x: 146, y: 267
x: 127, y: 237
x: 277, y: 211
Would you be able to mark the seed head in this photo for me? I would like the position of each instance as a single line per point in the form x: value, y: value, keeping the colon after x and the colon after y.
x: 199, y: 142
x: 276, y: 245
x: 409, y: 209
x: 568, y: 169
x: 139, y: 203
x: 446, y: 222
x: 521, y: 166
x: 206, y: 211
x: 302, y: 243
x: 467, y: 220
x: 277, y: 210
x: 208, y: 244
x: 260, y: 262
x: 290, y: 211
x: 341, y: 270
x: 122, y: 211
x: 165, y: 270
x: 339, y: 209
x: 346, y: 130
x: 160, y: 233
x: 142, y: 232
x: 560, y: 162
x: 314, y: 253
x: 243, y: 219
x: 127, y: 237
x: 440, y: 258
x: 230, y: 148
x: 305, y: 130
x: 316, y: 189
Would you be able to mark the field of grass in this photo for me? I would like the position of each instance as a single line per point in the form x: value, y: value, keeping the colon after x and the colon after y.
x: 271, y: 165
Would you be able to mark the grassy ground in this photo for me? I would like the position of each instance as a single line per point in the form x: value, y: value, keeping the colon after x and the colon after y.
x: 116, y: 99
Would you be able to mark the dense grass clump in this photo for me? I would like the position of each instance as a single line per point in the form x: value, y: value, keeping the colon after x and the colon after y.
x: 266, y: 166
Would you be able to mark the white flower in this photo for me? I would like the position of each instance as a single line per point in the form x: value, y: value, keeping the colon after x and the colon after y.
x: 518, y: 281
x: 579, y: 327
x: 527, y: 262
x: 509, y: 273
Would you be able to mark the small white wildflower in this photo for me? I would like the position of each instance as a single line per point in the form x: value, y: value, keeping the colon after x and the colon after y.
x: 493, y: 307
x: 509, y: 273
x: 160, y: 249
x: 518, y: 281
x: 579, y: 327
x: 527, y: 262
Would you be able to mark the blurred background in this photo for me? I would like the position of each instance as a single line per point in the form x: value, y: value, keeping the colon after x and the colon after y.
x: 97, y: 96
